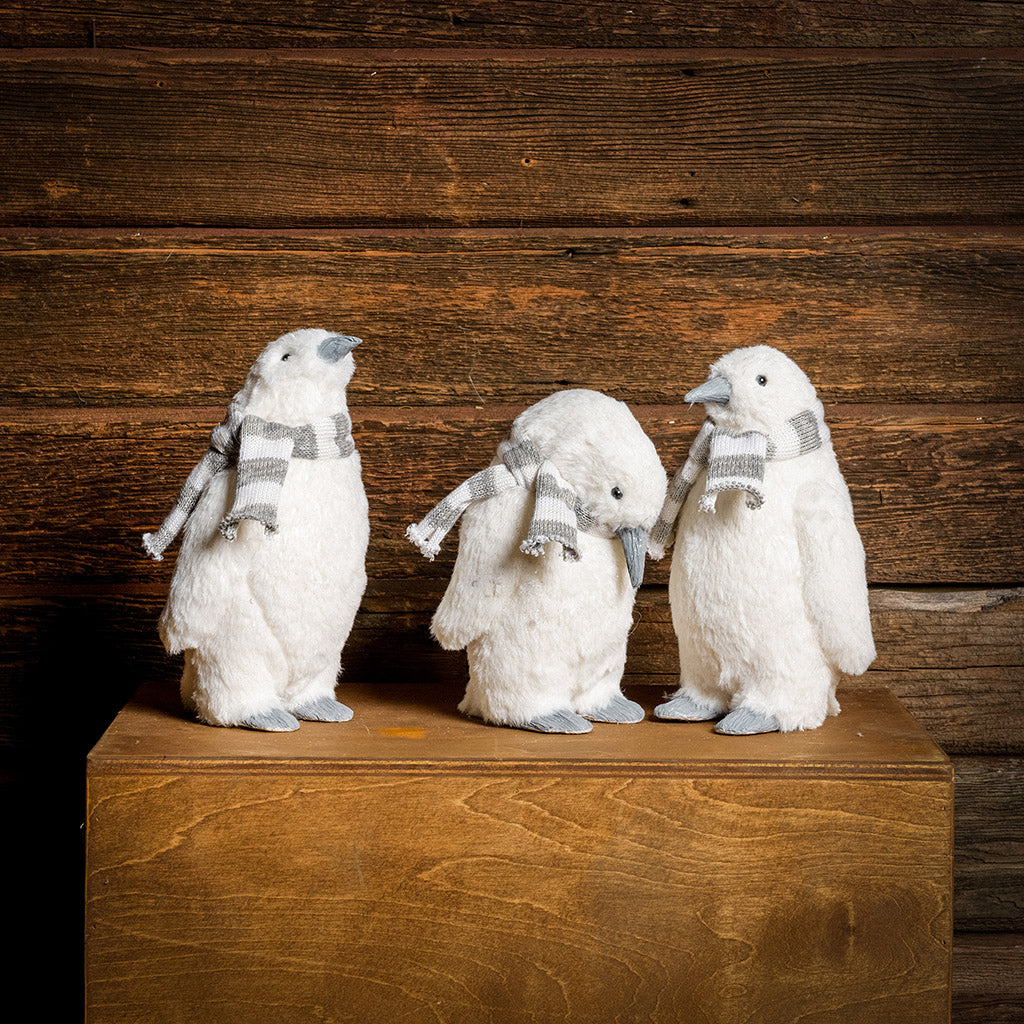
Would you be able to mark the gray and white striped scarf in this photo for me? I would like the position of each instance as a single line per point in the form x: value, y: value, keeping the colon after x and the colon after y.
x: 262, y: 450
x: 558, y: 511
x: 734, y: 462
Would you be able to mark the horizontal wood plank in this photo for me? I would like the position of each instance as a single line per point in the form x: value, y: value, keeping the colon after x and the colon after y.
x: 165, y: 319
x: 937, y: 481
x: 988, y: 978
x: 656, y: 23
x: 637, y: 137
x: 83, y: 488
x: 958, y: 664
x: 989, y: 844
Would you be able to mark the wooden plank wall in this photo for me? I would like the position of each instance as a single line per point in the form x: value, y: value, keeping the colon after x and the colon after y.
x: 504, y: 199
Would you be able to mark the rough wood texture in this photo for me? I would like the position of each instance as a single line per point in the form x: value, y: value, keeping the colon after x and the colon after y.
x: 169, y: 319
x: 989, y: 844
x: 514, y: 877
x: 285, y: 138
x: 923, y: 480
x: 988, y: 979
x: 655, y: 23
x: 955, y: 663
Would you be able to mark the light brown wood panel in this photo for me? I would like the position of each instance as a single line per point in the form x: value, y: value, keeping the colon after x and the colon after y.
x: 171, y: 319
x: 433, y: 865
x: 657, y: 23
x: 988, y: 978
x: 938, y: 492
x: 639, y: 137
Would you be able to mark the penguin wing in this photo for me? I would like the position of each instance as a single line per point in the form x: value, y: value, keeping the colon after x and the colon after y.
x: 486, y: 569
x: 834, y: 580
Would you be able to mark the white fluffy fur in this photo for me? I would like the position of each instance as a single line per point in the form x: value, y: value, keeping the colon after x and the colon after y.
x: 544, y: 634
x: 262, y: 620
x: 770, y: 605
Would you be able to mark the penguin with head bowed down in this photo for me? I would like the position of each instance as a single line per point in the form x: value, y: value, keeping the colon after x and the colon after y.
x: 551, y: 550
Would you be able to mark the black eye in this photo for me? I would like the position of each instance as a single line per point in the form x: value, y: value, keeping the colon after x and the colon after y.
x: 762, y: 379
x: 617, y: 493
x: 286, y: 356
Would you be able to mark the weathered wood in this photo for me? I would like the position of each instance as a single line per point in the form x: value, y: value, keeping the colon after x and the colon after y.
x: 83, y: 487
x: 657, y: 23
x: 989, y: 844
x: 988, y: 979
x: 428, y: 864
x: 955, y: 659
x: 165, y: 319
x: 958, y: 669
x: 638, y: 137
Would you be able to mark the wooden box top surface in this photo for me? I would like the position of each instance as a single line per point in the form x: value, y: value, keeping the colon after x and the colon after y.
x: 406, y: 727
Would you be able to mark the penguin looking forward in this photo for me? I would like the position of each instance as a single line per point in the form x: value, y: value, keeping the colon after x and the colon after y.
x: 767, y: 585
x: 272, y: 562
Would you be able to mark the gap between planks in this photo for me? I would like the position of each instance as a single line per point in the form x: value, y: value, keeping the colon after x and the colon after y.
x: 380, y: 58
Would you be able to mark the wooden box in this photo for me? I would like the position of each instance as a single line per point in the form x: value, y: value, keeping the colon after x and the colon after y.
x: 413, y: 865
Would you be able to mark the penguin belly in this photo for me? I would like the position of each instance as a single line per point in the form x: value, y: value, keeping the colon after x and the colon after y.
x: 309, y: 577
x: 560, y: 641
x: 736, y: 595
x: 264, y: 617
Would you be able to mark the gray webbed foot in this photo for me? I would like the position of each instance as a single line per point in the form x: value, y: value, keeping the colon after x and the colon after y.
x: 744, y: 722
x: 558, y: 721
x: 619, y: 710
x: 323, y: 709
x: 685, y: 709
x: 274, y: 720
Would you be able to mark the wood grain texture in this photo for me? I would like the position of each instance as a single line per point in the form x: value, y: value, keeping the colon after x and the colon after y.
x: 988, y: 978
x: 167, y: 319
x: 578, y: 886
x: 505, y: 900
x: 958, y: 668
x: 989, y: 844
x: 641, y: 137
x: 923, y: 481
x: 653, y: 23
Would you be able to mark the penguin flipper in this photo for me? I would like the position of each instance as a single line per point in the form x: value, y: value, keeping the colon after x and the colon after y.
x: 323, y: 709
x: 682, y: 708
x: 744, y: 722
x: 834, y: 580
x: 619, y: 710
x: 485, y: 570
x: 557, y: 721
x: 274, y: 720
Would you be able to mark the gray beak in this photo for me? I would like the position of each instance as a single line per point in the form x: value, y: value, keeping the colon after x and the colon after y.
x: 634, y: 547
x: 336, y: 347
x: 715, y: 391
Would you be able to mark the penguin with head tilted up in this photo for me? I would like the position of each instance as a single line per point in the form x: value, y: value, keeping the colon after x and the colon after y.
x: 272, y: 562
x: 767, y: 585
x: 551, y: 550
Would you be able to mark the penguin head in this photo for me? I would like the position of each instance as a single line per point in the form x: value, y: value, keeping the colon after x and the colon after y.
x: 756, y: 388
x: 602, y: 452
x: 300, y: 377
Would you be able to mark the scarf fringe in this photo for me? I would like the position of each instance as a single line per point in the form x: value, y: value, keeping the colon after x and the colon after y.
x: 558, y: 512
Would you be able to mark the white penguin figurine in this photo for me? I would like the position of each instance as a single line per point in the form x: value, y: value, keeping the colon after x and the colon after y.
x: 767, y: 586
x: 551, y: 551
x: 272, y: 563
